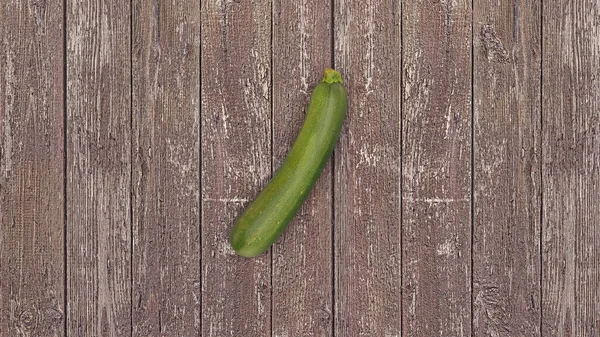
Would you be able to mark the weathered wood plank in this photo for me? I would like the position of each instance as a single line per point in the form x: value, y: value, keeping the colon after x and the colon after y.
x: 236, y: 162
x: 367, y: 171
x: 302, y: 260
x: 166, y: 168
x: 571, y: 168
x: 98, y: 168
x: 31, y: 169
x: 507, y: 144
x: 436, y: 186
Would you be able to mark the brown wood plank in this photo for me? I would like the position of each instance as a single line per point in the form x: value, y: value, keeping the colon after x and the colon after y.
x: 166, y: 168
x: 507, y: 200
x: 98, y: 168
x: 367, y: 171
x: 302, y: 260
x: 436, y: 186
x: 31, y: 169
x: 571, y: 168
x: 236, y: 162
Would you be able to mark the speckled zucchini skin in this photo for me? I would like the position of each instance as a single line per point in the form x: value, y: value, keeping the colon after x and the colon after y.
x: 263, y: 221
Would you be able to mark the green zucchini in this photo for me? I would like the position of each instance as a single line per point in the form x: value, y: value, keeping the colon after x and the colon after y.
x: 263, y: 221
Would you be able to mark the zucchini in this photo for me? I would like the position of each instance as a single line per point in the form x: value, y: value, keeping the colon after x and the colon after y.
x: 263, y: 221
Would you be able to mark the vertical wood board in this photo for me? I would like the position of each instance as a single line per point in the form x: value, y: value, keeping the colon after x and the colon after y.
x: 367, y: 171
x: 236, y: 162
x: 571, y: 168
x: 98, y: 168
x: 507, y: 188
x: 31, y: 169
x: 436, y: 168
x: 302, y: 257
x: 166, y: 168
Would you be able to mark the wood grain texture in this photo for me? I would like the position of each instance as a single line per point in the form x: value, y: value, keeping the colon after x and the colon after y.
x: 302, y: 257
x: 367, y: 171
x: 507, y: 144
x: 436, y: 185
x: 166, y: 168
x: 236, y: 162
x: 31, y: 169
x: 571, y: 168
x: 98, y: 168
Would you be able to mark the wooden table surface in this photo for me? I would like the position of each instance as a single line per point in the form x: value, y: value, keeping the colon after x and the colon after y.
x: 461, y: 200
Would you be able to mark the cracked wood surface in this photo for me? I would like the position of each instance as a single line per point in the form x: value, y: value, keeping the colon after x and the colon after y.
x: 302, y: 265
x: 460, y: 201
x: 98, y: 168
x: 436, y: 165
x: 507, y: 176
x: 166, y: 168
x: 367, y: 171
x: 571, y: 168
x: 236, y: 162
x: 32, y: 196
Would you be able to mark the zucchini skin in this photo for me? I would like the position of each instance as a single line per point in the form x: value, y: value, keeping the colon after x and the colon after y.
x: 263, y: 221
